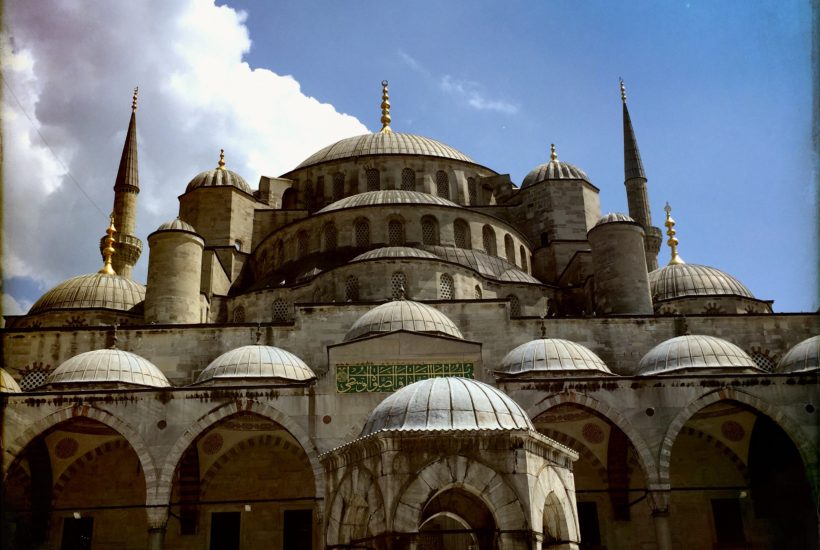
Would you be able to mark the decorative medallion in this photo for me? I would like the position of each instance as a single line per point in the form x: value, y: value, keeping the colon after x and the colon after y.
x: 732, y: 430
x: 66, y: 447
x: 212, y: 444
x: 593, y: 433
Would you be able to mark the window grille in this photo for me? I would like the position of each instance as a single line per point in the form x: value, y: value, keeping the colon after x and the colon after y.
x: 489, y: 240
x: 352, y: 289
x: 34, y: 379
x: 446, y: 288
x: 429, y: 230
x: 408, y: 179
x: 509, y: 249
x: 281, y: 310
x: 442, y: 184
x: 461, y: 234
x: 477, y: 294
x: 302, y: 244
x: 362, y: 231
x: 472, y: 191
x: 398, y: 285
x: 338, y: 186
x: 763, y: 361
x: 331, y: 236
x: 523, y: 252
x: 239, y: 315
x: 395, y: 233
x: 515, y: 305
x: 373, y: 179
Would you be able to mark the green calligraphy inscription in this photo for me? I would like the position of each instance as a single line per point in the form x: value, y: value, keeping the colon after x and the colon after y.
x: 369, y: 377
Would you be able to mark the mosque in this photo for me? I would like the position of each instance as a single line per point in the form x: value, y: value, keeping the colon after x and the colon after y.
x: 393, y: 346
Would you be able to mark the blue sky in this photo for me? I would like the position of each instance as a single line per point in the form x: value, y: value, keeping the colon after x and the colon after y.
x: 720, y: 95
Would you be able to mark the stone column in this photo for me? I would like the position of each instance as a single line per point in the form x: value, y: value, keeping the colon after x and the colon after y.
x: 157, y: 523
x: 659, y: 503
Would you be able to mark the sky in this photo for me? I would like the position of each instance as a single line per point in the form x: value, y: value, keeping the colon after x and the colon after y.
x: 720, y: 95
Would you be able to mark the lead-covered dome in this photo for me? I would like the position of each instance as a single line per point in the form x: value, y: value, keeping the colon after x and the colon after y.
x: 257, y: 362
x: 403, y: 315
x: 387, y: 252
x: 692, y: 353
x: 108, y: 366
x: 803, y: 357
x: 553, y: 355
x: 614, y: 217
x: 553, y: 170
x: 447, y: 404
x: 176, y: 225
x: 219, y: 177
x: 7, y: 383
x: 681, y: 280
x: 387, y: 196
x: 98, y: 290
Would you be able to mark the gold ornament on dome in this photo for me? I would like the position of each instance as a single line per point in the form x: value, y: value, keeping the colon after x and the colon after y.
x: 672, y: 241
x: 108, y: 251
x: 385, y: 109
x: 221, y: 164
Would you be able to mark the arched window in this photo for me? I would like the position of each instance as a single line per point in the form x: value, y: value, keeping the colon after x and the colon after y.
x: 373, y: 179
x: 289, y: 199
x: 361, y: 230
x: 398, y: 285
x: 395, y: 233
x: 239, y: 315
x: 523, y: 252
x: 515, y: 305
x: 488, y: 234
x: 302, y: 244
x: 320, y: 190
x: 281, y: 310
x: 477, y: 294
x: 351, y: 289
x: 461, y: 234
x: 446, y: 288
x: 442, y: 184
x: 338, y: 186
x: 330, y: 236
x: 509, y: 248
x: 472, y: 191
x: 408, y: 179
x: 429, y: 230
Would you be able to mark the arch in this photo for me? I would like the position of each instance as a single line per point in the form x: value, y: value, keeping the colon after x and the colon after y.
x: 356, y: 508
x: 646, y: 459
x: 429, y: 230
x: 509, y: 248
x: 408, y: 179
x: 472, y: 191
x: 461, y: 234
x: 488, y: 238
x: 443, y: 184
x: 446, y: 287
x: 477, y: 292
x: 338, y: 186
x: 84, y: 459
x: 395, y: 232
x: 373, y: 178
x: 281, y: 311
x: 551, y: 500
x: 160, y: 495
x: 807, y: 451
x: 238, y: 315
x: 722, y: 449
x: 579, y: 447
x: 515, y: 305
x: 398, y: 285
x: 523, y: 253
x: 352, y: 289
x: 361, y: 232
x: 329, y: 237
x: 289, y: 199
x: 467, y: 474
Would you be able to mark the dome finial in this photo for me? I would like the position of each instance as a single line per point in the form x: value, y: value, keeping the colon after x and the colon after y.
x: 221, y: 164
x: 553, y: 154
x: 108, y: 251
x: 385, y: 109
x: 134, y: 100
x: 672, y: 241
x: 623, y: 89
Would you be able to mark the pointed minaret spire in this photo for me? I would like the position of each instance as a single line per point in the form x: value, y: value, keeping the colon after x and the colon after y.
x: 126, y: 188
x: 672, y: 242
x: 385, y: 109
x: 633, y: 167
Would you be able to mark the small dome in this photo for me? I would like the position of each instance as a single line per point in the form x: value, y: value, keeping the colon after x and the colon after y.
x: 108, y: 366
x: 219, y: 177
x: 176, y: 225
x: 384, y: 143
x: 257, y: 362
x: 803, y: 357
x: 614, y: 217
x: 91, y: 292
x: 394, y: 252
x: 679, y: 280
x: 447, y: 404
x: 515, y: 275
x: 7, y: 383
x: 388, y: 196
x: 552, y: 355
x: 403, y: 315
x: 695, y: 352
x: 553, y: 170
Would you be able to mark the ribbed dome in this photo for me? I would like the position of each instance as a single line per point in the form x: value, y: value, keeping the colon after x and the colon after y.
x: 678, y: 280
x: 219, y: 177
x: 403, y: 315
x: 388, y: 196
x: 447, y: 404
x: 805, y: 356
x: 517, y: 276
x: 92, y: 291
x: 176, y: 225
x: 384, y: 143
x: 257, y: 362
x: 614, y: 217
x: 108, y: 366
x: 7, y: 383
x: 395, y: 252
x: 552, y: 355
x: 695, y: 352
x: 490, y: 266
x: 554, y: 170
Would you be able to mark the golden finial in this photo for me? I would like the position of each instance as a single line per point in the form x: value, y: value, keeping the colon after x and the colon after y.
x: 221, y: 164
x: 553, y: 154
x: 672, y: 241
x: 108, y: 251
x: 385, y: 109
x: 134, y: 100
x: 623, y: 90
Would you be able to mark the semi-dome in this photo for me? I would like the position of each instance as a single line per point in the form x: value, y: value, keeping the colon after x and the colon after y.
x: 176, y: 224
x: 553, y: 355
x: 695, y: 353
x: 403, y: 315
x: 7, y: 383
x: 553, y: 170
x: 515, y: 275
x: 108, y: 366
x: 257, y: 362
x: 387, y: 196
x: 98, y: 290
x: 447, y: 404
x: 803, y: 357
x: 384, y: 143
x: 680, y: 280
x: 386, y: 252
x: 614, y: 217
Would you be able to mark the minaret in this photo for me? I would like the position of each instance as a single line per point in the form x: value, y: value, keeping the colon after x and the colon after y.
x: 126, y: 188
x: 636, y: 196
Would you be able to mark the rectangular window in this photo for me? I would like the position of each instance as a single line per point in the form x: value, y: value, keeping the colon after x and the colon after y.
x: 298, y: 530
x: 728, y: 521
x: 225, y: 531
x: 588, y: 521
x: 77, y: 533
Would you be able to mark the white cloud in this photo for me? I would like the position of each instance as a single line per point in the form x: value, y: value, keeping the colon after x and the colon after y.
x: 473, y: 94
x: 73, y: 69
x: 13, y: 306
